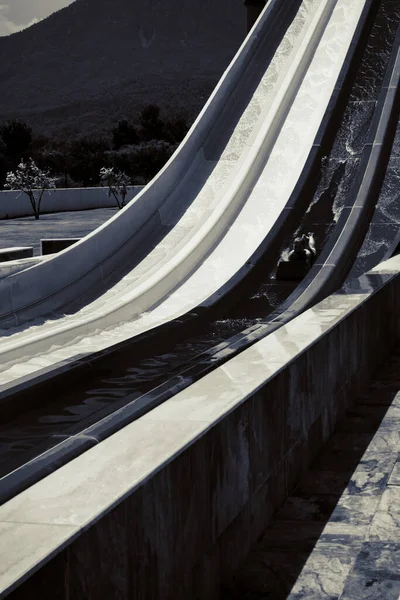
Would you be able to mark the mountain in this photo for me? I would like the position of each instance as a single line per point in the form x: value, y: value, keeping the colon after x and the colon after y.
x: 97, y: 61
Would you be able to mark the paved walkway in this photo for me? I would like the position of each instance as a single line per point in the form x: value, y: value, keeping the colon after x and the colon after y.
x: 26, y: 231
x: 338, y: 535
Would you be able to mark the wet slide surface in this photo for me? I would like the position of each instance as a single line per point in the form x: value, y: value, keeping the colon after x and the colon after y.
x: 124, y: 384
x: 384, y: 228
x: 99, y: 399
x: 282, y: 127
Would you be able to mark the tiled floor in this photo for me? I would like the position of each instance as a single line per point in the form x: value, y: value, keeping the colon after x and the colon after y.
x: 338, y: 535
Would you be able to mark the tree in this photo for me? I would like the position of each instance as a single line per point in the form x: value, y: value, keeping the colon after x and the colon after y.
x: 30, y: 179
x: 17, y: 137
x: 86, y: 157
x: 155, y: 156
x: 58, y: 162
x: 116, y: 181
x: 124, y: 134
x: 152, y: 127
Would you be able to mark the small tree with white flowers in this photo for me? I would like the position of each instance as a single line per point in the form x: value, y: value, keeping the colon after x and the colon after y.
x: 32, y: 181
x: 116, y: 181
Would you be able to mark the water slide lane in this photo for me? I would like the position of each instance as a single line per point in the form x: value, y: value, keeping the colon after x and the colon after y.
x: 335, y: 262
x: 289, y: 119
x: 382, y: 240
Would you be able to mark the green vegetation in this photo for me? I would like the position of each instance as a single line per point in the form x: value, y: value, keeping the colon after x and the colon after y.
x: 17, y: 137
x: 116, y: 181
x: 32, y: 181
x: 138, y: 147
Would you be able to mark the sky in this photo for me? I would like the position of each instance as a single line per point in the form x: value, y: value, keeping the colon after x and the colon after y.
x: 18, y: 14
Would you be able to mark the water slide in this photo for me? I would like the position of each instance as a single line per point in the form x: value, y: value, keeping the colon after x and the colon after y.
x: 107, y: 395
x: 207, y: 211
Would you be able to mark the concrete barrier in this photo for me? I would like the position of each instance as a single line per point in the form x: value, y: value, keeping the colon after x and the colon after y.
x: 168, y: 506
x: 7, y: 254
x: 53, y: 245
x: 16, y: 204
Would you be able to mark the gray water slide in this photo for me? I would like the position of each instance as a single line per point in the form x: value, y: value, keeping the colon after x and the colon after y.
x: 198, y: 222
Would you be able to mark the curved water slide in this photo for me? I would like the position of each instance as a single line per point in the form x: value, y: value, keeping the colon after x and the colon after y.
x: 334, y: 265
x: 206, y: 212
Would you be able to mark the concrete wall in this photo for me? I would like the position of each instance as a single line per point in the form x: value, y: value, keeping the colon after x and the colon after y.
x: 167, y: 507
x: 16, y: 204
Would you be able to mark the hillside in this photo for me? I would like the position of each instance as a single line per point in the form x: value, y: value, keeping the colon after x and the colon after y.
x: 96, y: 61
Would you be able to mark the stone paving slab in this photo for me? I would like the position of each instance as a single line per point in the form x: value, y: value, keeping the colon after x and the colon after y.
x: 338, y: 536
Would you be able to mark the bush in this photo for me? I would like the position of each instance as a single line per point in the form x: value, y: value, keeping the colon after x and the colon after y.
x: 151, y: 126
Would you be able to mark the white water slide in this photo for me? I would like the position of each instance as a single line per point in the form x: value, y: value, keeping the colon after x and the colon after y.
x: 208, y: 209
